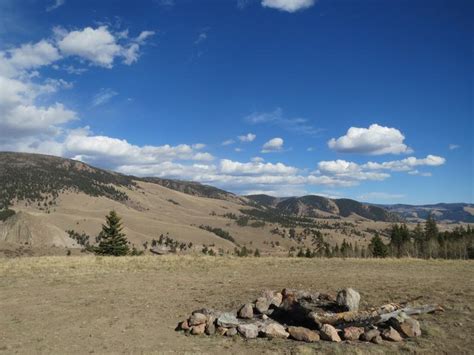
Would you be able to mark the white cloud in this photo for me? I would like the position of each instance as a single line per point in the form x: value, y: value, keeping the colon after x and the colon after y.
x: 454, y: 146
x: 273, y: 145
x: 406, y: 164
x: 375, y: 140
x: 343, y: 170
x: 143, y: 36
x: 348, y: 171
x: 29, y: 56
x: 103, y: 96
x: 250, y: 137
x: 96, y: 45
x: 55, y: 5
x: 20, y: 117
x: 276, y: 118
x: 228, y: 142
x: 255, y: 168
x: 100, y: 46
x: 288, y: 5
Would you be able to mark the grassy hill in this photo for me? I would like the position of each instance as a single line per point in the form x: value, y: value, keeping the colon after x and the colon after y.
x: 321, y: 207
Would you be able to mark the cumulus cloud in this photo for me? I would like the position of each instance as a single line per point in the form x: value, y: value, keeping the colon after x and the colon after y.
x: 31, y: 119
x: 114, y: 152
x: 288, y: 5
x: 29, y: 56
x: 347, y: 171
x: 273, y: 145
x: 375, y: 140
x: 20, y: 117
x: 99, y: 45
x: 255, y: 168
x: 407, y: 163
x: 250, y: 137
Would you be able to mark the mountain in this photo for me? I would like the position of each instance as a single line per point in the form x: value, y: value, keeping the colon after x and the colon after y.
x: 322, y: 207
x: 450, y: 212
x: 39, y: 178
x: 196, y: 189
x: 51, y: 204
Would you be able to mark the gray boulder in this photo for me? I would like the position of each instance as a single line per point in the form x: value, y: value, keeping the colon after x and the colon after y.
x: 248, y: 331
x: 227, y: 320
x: 349, y: 299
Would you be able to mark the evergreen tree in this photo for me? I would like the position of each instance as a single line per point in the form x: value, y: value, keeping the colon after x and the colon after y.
x: 378, y: 248
x: 112, y: 240
x: 257, y: 253
x: 431, y: 236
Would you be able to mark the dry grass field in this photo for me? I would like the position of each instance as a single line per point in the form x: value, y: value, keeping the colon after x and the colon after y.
x: 132, y: 304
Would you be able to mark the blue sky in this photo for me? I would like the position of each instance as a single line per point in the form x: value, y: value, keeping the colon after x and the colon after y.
x: 370, y: 100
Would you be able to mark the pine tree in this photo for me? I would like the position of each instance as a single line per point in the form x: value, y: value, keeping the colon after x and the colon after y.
x: 431, y: 236
x: 112, y: 240
x: 257, y: 253
x: 378, y: 248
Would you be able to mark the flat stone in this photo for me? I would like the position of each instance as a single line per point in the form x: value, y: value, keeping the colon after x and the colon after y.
x: 391, y: 335
x: 198, y: 329
x: 349, y: 299
x: 353, y: 333
x: 370, y: 334
x: 227, y: 320
x: 248, y: 331
x: 197, y: 318
x: 246, y: 311
x: 328, y: 332
x: 303, y: 334
x: 275, y: 330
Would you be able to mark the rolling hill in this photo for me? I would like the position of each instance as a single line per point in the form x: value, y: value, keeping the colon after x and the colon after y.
x: 322, y: 207
x: 42, y: 197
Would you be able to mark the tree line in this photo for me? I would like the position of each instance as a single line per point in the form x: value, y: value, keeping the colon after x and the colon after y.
x: 424, y: 241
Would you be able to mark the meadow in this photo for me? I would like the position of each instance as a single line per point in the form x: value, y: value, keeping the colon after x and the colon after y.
x: 89, y: 304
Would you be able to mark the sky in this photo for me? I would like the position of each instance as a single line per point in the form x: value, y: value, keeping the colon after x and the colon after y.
x: 363, y: 99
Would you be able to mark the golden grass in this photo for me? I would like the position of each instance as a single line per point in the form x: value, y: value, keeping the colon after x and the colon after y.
x: 132, y: 304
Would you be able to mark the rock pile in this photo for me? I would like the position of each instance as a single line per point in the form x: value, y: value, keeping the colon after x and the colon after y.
x: 309, y: 317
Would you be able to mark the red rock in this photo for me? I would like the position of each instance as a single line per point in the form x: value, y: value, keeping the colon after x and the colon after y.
x: 353, y: 333
x: 303, y: 334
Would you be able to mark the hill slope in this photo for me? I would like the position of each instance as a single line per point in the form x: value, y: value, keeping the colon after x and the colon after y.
x: 320, y: 207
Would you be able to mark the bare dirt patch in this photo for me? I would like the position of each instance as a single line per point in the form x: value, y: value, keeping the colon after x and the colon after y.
x: 132, y: 304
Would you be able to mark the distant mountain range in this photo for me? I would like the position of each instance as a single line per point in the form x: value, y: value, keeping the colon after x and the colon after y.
x: 454, y: 212
x: 322, y: 207
x: 40, y: 178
